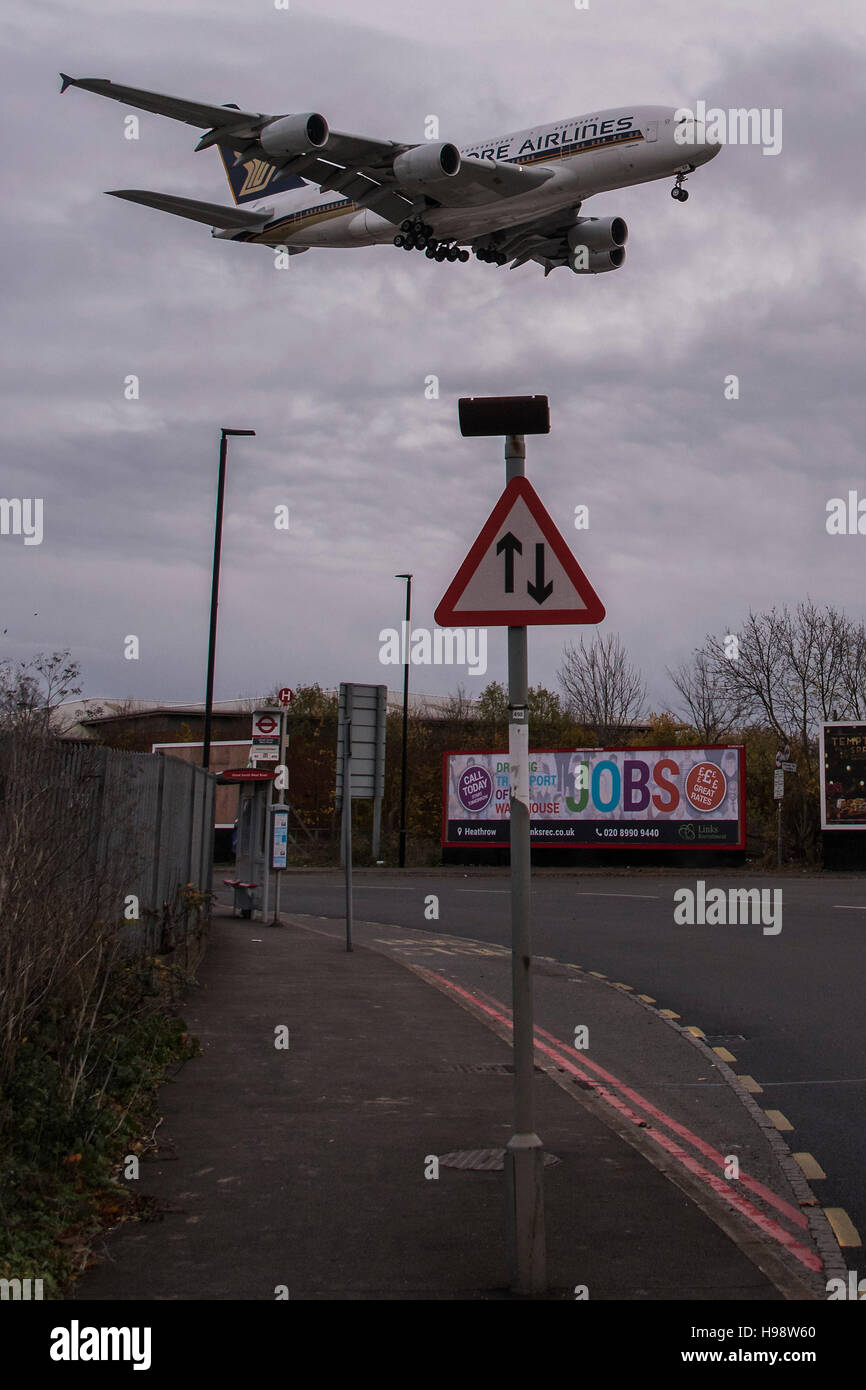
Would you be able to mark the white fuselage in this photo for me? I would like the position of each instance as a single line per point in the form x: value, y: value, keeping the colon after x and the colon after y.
x: 586, y: 155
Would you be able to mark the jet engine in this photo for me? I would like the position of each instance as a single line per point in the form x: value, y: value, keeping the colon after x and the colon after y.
x: 426, y: 165
x: 585, y: 262
x: 598, y: 233
x: 597, y: 244
x: 294, y: 135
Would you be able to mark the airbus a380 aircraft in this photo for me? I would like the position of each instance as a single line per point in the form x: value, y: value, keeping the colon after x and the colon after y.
x: 515, y: 198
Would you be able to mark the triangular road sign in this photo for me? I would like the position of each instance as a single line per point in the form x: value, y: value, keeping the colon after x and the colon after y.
x: 519, y: 571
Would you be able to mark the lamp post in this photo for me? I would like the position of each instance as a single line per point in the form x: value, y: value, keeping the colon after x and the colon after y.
x: 214, y: 594
x: 404, y: 759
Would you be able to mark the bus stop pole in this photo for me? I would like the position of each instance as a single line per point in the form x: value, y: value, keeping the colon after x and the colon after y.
x: 278, y: 873
x: 266, y: 878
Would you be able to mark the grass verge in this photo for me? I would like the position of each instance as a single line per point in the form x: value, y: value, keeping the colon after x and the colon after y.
x: 75, y: 1120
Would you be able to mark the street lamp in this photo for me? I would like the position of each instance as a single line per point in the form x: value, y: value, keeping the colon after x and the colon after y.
x: 407, y: 630
x: 214, y: 594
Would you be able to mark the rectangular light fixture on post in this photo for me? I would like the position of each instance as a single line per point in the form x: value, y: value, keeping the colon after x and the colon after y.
x: 504, y: 415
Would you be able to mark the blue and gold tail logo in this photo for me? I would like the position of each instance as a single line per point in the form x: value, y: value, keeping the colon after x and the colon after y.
x: 253, y: 177
x: 259, y: 175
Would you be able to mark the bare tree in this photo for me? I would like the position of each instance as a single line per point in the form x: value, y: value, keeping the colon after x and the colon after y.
x: 714, y: 705
x: 795, y: 664
x: 605, y: 692
x: 785, y: 669
x: 30, y: 691
x: 852, y: 692
x: 818, y: 644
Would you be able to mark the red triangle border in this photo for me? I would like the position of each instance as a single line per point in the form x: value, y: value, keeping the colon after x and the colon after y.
x: 521, y: 487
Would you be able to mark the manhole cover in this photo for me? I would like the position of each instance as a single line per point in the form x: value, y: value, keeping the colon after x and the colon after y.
x: 483, y: 1160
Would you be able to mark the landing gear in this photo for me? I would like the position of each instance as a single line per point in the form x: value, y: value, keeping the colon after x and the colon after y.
x: 421, y: 238
x: 680, y: 193
x: 413, y: 226
x: 489, y: 256
x: 412, y: 241
x: 417, y: 235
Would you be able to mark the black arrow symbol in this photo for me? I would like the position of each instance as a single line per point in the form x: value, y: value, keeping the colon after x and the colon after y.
x: 509, y: 544
x: 539, y: 590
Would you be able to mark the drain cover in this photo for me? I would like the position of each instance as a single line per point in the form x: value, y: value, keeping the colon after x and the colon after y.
x: 483, y: 1160
x: 490, y: 1068
x: 716, y: 1039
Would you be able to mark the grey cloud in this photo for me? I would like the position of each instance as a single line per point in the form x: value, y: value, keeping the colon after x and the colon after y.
x: 699, y: 507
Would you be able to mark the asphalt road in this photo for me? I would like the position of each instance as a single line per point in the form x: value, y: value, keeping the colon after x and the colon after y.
x: 790, y: 1007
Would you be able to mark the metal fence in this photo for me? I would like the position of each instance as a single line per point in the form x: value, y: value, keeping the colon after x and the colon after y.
x: 137, y: 825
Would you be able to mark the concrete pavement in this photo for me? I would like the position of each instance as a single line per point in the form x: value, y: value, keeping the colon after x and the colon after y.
x: 299, y: 1171
x: 786, y: 1006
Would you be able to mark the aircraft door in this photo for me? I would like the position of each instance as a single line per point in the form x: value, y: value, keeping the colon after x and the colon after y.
x: 652, y: 131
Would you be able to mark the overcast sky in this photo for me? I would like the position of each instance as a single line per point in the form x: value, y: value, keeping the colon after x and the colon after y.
x: 700, y: 507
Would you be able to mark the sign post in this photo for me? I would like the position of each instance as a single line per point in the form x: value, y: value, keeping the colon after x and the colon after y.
x: 360, y: 767
x: 519, y: 571
x: 778, y: 795
x: 783, y: 765
x: 525, y: 1163
x: 265, y: 744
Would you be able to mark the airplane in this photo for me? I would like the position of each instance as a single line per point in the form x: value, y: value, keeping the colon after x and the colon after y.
x: 297, y: 184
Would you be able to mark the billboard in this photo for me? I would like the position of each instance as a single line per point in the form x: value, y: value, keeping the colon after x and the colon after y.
x: 843, y: 777
x: 602, y: 798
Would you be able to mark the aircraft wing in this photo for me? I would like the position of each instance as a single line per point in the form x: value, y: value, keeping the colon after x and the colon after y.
x: 362, y: 170
x: 211, y: 214
x: 353, y: 165
x: 195, y: 113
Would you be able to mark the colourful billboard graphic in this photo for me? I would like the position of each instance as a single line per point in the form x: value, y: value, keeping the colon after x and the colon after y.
x: 639, y: 798
x: 843, y: 777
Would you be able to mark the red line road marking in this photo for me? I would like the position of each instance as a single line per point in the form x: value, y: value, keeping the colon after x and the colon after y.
x: 765, y: 1193
x: 719, y: 1185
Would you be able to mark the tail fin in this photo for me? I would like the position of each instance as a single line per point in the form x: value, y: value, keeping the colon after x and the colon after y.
x: 255, y: 177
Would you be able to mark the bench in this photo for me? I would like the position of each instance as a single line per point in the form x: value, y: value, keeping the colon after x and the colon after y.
x: 243, y: 899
